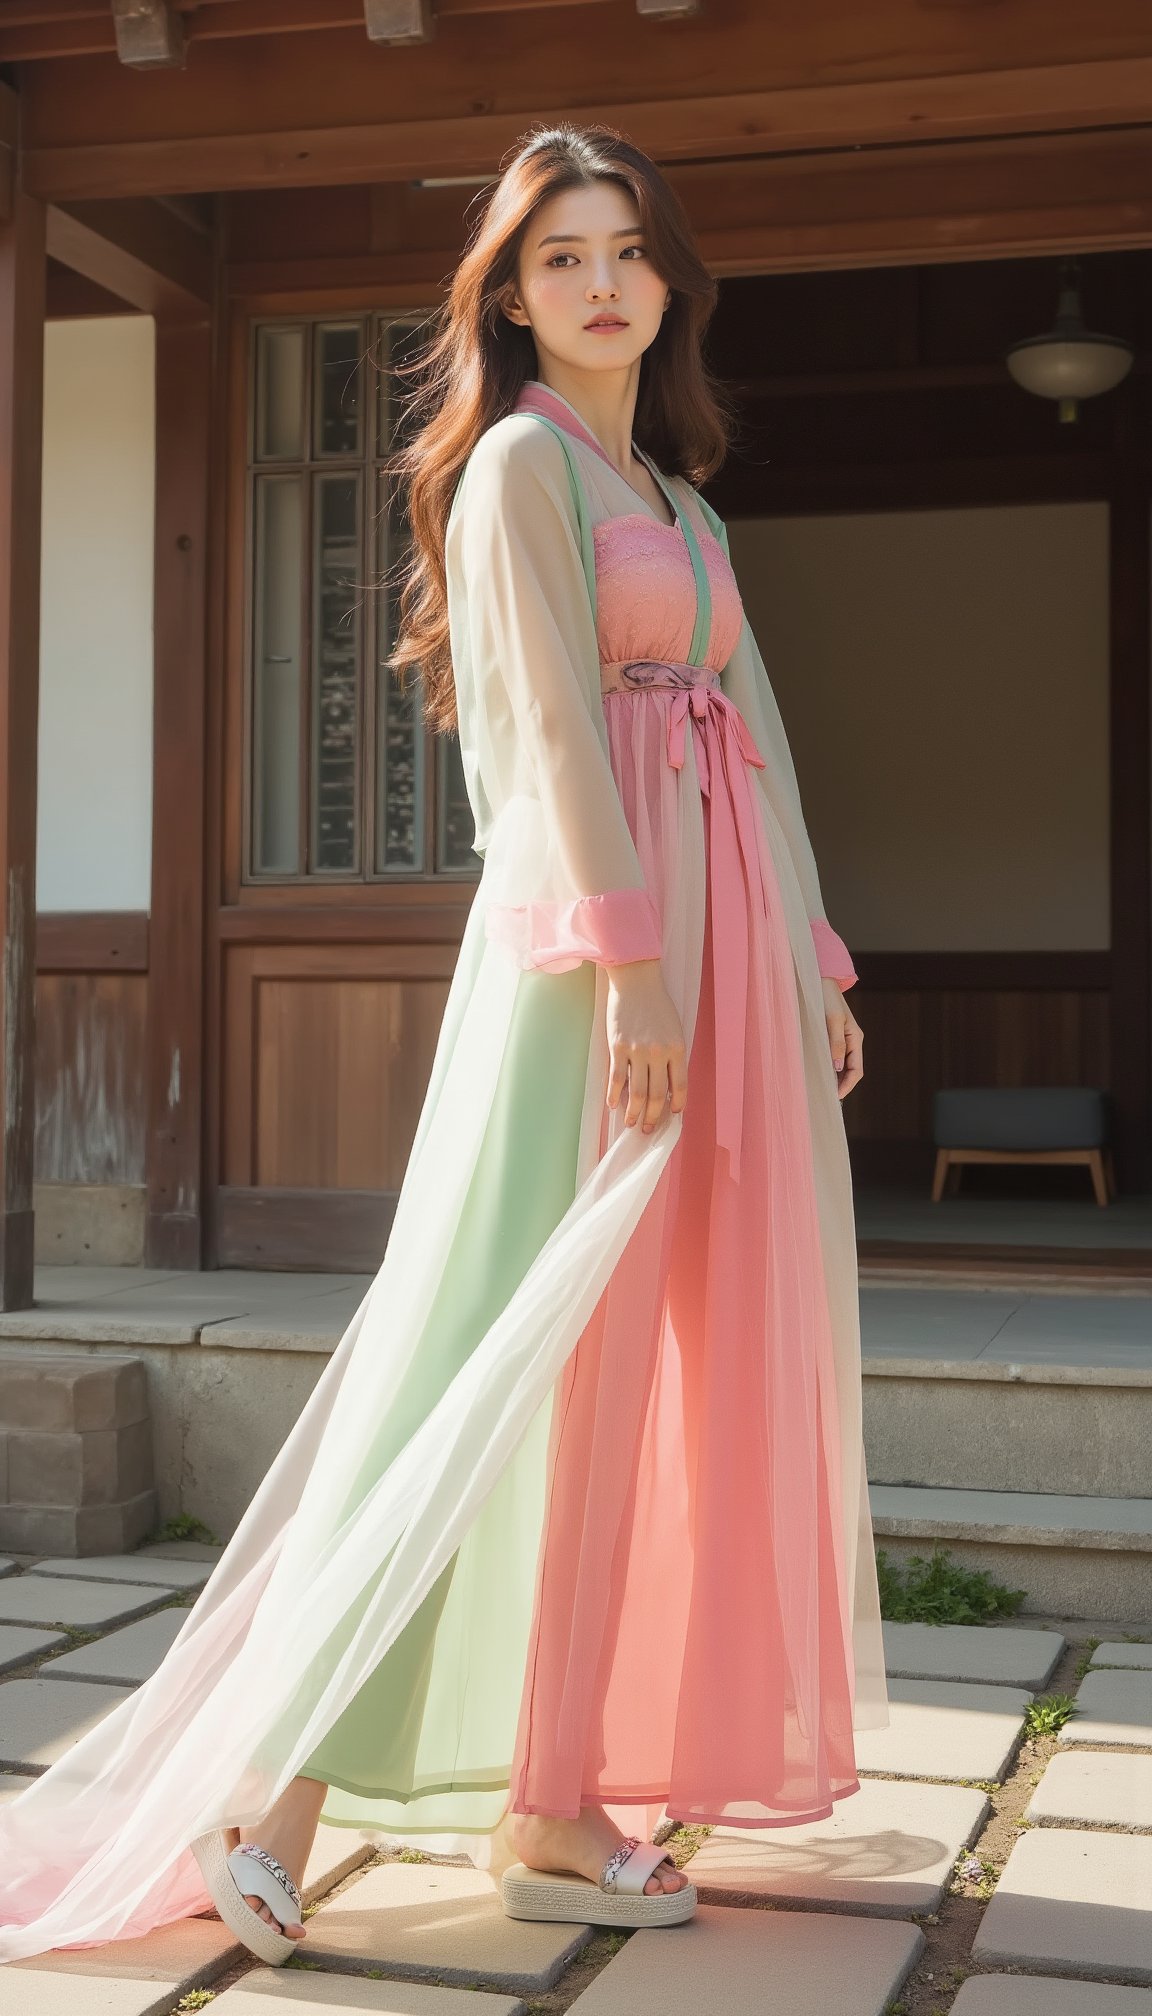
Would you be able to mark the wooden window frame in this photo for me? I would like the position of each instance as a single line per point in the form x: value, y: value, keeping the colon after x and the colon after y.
x: 243, y: 885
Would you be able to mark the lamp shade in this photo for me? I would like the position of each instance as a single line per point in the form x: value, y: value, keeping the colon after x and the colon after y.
x: 1070, y: 362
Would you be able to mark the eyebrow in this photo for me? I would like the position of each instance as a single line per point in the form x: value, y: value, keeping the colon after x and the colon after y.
x: 575, y: 238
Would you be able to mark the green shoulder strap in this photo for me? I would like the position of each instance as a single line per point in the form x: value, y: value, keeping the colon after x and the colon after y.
x: 713, y: 520
x: 587, y: 546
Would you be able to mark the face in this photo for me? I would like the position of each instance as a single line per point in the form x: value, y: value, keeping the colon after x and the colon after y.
x: 584, y: 256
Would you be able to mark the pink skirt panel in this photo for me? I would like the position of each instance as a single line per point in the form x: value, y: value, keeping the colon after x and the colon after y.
x: 691, y: 1636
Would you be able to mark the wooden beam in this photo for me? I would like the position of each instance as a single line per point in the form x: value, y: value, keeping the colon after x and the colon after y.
x: 399, y: 20
x: 139, y: 250
x: 23, y: 269
x: 887, y: 207
x: 173, y: 1155
x: 92, y: 941
x: 29, y: 35
x: 149, y: 34
x: 1130, y: 877
x: 667, y: 10
x: 197, y: 133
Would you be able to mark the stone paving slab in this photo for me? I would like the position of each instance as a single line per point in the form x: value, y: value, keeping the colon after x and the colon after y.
x: 178, y: 1550
x: 1085, y: 1788
x: 165, y: 1572
x: 269, y: 1988
x: 1122, y: 1654
x: 1073, y: 1902
x: 124, y: 1977
x: 10, y: 1784
x: 336, y: 1851
x: 7, y: 1567
x: 889, y: 1848
x: 40, y: 1719
x: 1015, y: 1995
x: 944, y: 1729
x: 426, y: 1919
x: 125, y: 1657
x: 18, y: 1644
x: 90, y: 1606
x: 746, y: 1963
x: 1006, y: 1657
x: 1115, y: 1707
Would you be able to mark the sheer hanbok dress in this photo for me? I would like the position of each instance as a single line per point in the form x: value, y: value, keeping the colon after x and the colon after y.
x: 577, y: 1510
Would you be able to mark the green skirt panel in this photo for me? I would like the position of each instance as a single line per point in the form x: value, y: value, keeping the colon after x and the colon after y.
x: 427, y: 1741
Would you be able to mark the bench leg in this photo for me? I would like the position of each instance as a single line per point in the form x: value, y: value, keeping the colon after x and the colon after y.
x: 1096, y: 1169
x: 938, y: 1174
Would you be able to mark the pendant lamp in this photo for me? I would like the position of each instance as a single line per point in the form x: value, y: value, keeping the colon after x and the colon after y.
x: 1071, y: 362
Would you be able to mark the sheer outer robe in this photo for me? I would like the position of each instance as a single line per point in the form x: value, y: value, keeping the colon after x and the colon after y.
x: 335, y: 1555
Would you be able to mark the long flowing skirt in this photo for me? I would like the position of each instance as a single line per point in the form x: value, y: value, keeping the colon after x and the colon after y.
x: 562, y: 1518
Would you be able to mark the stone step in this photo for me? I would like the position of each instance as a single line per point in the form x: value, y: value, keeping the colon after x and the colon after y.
x: 1074, y: 1556
x: 986, y: 1425
x: 76, y: 1452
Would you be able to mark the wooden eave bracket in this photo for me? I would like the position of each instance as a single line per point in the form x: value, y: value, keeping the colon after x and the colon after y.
x: 399, y: 20
x: 149, y: 34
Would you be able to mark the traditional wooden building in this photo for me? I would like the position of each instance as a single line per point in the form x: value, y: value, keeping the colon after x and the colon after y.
x: 235, y: 868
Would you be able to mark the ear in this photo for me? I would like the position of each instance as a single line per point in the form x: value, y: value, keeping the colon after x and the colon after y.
x: 509, y: 303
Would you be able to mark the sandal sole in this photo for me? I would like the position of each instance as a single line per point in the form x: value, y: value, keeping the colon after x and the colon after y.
x: 260, y: 1938
x: 574, y: 1900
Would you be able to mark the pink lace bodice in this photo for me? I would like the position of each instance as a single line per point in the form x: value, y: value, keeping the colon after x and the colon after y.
x: 646, y: 601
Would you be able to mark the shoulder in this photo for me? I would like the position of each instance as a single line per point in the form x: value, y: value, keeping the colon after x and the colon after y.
x: 517, y: 450
x: 703, y: 510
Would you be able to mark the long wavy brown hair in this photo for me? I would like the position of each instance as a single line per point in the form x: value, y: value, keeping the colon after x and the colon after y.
x: 469, y: 373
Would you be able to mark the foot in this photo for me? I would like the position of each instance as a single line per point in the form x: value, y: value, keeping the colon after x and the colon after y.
x: 287, y: 1832
x: 582, y: 1846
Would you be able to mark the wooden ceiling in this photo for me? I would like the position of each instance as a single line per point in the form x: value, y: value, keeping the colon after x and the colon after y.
x: 162, y: 34
x: 832, y: 133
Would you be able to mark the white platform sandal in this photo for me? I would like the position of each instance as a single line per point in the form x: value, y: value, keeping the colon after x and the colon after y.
x: 252, y: 1871
x: 616, y: 1899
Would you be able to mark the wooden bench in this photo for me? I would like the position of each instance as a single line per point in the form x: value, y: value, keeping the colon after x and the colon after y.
x: 1021, y: 1123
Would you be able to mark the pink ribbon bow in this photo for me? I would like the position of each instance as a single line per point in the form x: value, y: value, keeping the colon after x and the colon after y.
x: 733, y: 861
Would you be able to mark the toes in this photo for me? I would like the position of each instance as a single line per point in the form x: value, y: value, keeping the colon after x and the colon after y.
x: 665, y: 1877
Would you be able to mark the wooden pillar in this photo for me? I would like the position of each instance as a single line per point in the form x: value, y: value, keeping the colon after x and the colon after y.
x: 176, y: 929
x: 1131, y: 824
x: 22, y: 297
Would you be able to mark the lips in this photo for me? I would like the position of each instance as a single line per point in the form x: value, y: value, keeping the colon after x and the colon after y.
x: 607, y: 322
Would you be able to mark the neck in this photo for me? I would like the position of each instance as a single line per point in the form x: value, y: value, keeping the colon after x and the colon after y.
x: 605, y: 403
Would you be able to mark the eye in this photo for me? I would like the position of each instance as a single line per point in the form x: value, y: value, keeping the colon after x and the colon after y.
x: 559, y: 255
x: 636, y: 248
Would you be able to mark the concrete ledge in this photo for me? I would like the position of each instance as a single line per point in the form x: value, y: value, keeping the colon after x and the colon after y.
x: 1021, y: 1518
x: 988, y: 1426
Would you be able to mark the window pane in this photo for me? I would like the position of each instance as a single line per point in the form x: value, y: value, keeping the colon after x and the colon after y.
x: 276, y: 676
x: 395, y: 343
x: 336, y: 594
x: 280, y: 395
x: 455, y: 827
x: 339, y: 388
x: 400, y: 755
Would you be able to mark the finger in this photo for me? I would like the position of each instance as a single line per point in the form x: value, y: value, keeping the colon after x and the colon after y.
x: 618, y: 1076
x: 637, y: 1091
x: 837, y: 1040
x: 854, y: 1062
x: 657, y: 1096
x: 678, y: 1072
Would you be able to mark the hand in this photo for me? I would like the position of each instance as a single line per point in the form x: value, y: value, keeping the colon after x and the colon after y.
x: 646, y: 1043
x: 845, y: 1038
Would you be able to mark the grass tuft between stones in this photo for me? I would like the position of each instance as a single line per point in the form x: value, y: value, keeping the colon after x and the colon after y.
x: 940, y: 1590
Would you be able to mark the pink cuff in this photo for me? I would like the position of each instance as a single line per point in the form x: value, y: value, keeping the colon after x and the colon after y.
x: 833, y: 956
x: 610, y: 929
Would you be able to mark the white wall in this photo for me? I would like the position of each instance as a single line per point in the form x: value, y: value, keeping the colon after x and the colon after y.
x: 943, y: 677
x: 94, y: 820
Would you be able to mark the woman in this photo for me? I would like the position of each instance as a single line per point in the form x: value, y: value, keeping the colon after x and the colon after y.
x: 575, y: 1523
